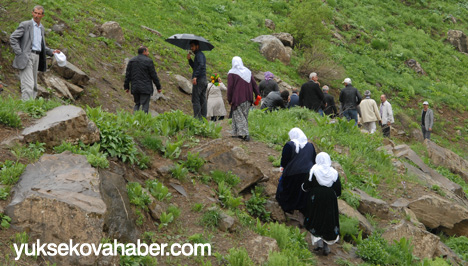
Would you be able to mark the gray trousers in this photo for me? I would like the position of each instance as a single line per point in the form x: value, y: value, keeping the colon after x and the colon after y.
x: 141, y: 100
x: 426, y: 133
x: 28, y: 78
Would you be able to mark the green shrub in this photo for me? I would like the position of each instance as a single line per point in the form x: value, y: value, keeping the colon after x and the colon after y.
x: 174, y: 210
x: 194, y: 162
x: 282, y: 259
x: 137, y: 196
x: 198, y: 207
x: 165, y: 219
x: 33, y: 151
x: 226, y: 197
x: 93, y: 154
x: 158, y: 190
x: 4, y: 192
x: 211, y: 218
x: 178, y: 171
x: 10, y: 172
x: 10, y: 118
x: 376, y: 250
x: 153, y: 143
x: 256, y: 205
x: 5, y: 221
x: 172, y: 150
x: 238, y: 257
x: 349, y: 227
x: 459, y: 245
x: 229, y: 178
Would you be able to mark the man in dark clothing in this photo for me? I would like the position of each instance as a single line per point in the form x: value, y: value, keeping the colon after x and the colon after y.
x: 330, y: 108
x: 141, y: 74
x: 198, y: 80
x: 350, y: 98
x: 275, y: 100
x: 311, y: 96
x: 267, y: 85
x: 294, y: 99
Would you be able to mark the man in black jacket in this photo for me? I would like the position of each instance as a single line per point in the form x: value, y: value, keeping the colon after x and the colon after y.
x: 311, y: 96
x: 275, y: 100
x: 329, y: 108
x: 198, y: 80
x: 350, y: 98
x: 141, y: 74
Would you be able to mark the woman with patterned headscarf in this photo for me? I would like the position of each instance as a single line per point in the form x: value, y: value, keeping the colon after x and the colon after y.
x: 216, y: 109
x: 321, y: 214
x: 268, y: 85
x: 297, y: 158
x: 241, y: 87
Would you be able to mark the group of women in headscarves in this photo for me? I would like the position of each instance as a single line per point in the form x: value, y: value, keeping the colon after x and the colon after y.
x: 310, y: 185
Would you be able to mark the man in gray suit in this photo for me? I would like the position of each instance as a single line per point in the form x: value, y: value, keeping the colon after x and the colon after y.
x: 427, y: 120
x: 30, y: 48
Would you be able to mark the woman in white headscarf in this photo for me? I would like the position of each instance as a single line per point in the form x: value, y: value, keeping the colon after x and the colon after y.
x: 321, y: 214
x: 297, y: 158
x: 240, y: 90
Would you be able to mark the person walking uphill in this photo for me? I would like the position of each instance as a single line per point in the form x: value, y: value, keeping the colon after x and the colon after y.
x: 311, y: 96
x: 386, y: 113
x: 198, y: 80
x: 427, y: 120
x: 29, y: 46
x: 321, y: 213
x: 241, y: 87
x: 139, y: 77
x: 297, y: 159
x: 369, y: 113
x: 267, y: 85
x: 350, y: 98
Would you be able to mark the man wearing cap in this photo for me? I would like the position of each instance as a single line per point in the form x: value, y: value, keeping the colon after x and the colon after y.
x: 350, y: 98
x: 369, y: 113
x: 386, y: 113
x: 311, y: 96
x: 29, y: 46
x: 427, y: 120
x: 329, y: 108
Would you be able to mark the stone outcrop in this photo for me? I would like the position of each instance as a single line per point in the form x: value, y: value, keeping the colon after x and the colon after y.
x: 270, y: 24
x: 58, y: 85
x: 112, y: 30
x: 225, y: 157
x: 413, y: 64
x: 347, y: 210
x: 184, y: 84
x: 260, y: 248
x: 72, y: 73
x: 447, y: 158
x: 227, y: 223
x: 57, y: 199
x: 458, y: 39
x: 377, y: 207
x: 276, y: 213
x: 64, y: 123
x: 438, y: 213
x: 272, y: 48
x: 286, y: 38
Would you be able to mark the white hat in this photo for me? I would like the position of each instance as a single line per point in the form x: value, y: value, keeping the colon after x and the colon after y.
x: 425, y: 103
x: 347, y: 81
x: 61, y: 59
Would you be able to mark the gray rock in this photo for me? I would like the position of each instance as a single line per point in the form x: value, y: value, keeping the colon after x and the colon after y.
x: 151, y: 30
x: 276, y: 213
x: 413, y: 64
x: 447, y: 158
x: 57, y: 199
x: 458, y: 39
x: 58, y: 28
x: 184, y: 84
x: 270, y: 24
x: 112, y: 30
x: 92, y: 35
x: 64, y: 123
x: 226, y: 223
x: 58, y: 85
x: 377, y: 207
x: 272, y: 48
x: 286, y: 38
x: 259, y: 248
x: 72, y: 73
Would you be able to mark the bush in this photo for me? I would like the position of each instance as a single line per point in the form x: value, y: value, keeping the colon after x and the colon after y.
x: 349, y: 227
x: 178, y: 171
x: 194, y: 162
x: 238, y: 257
x: 256, y: 205
x: 10, y: 172
x: 9, y: 118
x: 226, y: 197
x: 459, y: 245
x: 136, y: 195
x: 211, y: 218
x: 229, y: 178
x: 158, y: 190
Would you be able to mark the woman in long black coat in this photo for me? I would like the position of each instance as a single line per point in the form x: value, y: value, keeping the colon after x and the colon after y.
x: 297, y: 158
x: 321, y: 213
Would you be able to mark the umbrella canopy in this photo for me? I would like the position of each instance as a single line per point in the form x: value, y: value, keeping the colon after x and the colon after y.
x: 183, y: 41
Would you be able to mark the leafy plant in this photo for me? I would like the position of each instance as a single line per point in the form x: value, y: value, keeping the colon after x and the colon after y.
x: 226, y: 197
x: 349, y: 227
x: 198, y: 207
x: 174, y: 210
x: 137, y: 196
x: 229, y: 178
x: 275, y: 161
x: 211, y: 218
x: 5, y: 221
x: 153, y: 143
x: 459, y: 245
x: 238, y: 257
x: 9, y: 118
x: 158, y: 190
x: 193, y: 162
x: 256, y: 205
x: 172, y: 150
x: 178, y: 171
x: 93, y: 153
x: 165, y: 219
x: 10, y: 172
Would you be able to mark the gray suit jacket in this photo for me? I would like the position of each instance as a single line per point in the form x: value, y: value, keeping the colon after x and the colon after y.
x: 429, y: 119
x: 21, y: 42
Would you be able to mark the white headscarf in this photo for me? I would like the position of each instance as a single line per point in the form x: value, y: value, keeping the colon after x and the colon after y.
x: 239, y: 69
x: 298, y: 137
x: 325, y: 174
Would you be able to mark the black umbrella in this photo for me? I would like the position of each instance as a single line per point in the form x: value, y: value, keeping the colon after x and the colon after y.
x: 183, y: 41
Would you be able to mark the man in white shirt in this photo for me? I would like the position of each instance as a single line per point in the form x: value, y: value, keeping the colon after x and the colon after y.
x: 386, y: 113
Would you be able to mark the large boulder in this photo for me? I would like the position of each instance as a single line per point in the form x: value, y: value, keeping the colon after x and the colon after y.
x: 58, y: 199
x: 276, y: 213
x: 259, y: 248
x: 377, y: 207
x: 286, y: 38
x: 347, y: 210
x: 112, y: 30
x: 447, y: 158
x: 64, y: 123
x: 458, y: 39
x: 184, y: 84
x: 438, y: 213
x: 72, y: 73
x: 224, y: 156
x: 58, y: 86
x: 424, y: 243
x: 272, y: 48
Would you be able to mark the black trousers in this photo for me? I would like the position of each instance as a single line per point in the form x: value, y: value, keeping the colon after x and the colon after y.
x: 141, y: 100
x: 199, y: 99
x: 386, y: 131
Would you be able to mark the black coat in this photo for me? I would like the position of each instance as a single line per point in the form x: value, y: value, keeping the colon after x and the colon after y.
x: 267, y: 86
x: 331, y: 108
x: 311, y: 96
x: 350, y: 98
x: 141, y: 75
x: 273, y: 101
